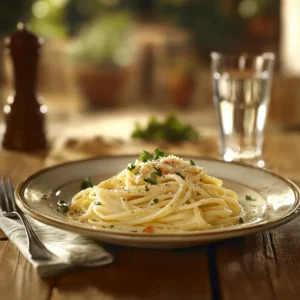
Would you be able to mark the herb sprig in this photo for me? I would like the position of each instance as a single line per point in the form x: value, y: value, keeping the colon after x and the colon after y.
x: 87, y: 183
x: 152, y: 179
x: 249, y: 198
x: 241, y: 221
x: 131, y: 167
x: 180, y: 175
x: 63, y: 206
x: 147, y: 156
x: 192, y: 162
x: 157, y: 172
x: 170, y: 130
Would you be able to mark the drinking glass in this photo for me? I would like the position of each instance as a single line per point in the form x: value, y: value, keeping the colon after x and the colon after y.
x: 241, y: 95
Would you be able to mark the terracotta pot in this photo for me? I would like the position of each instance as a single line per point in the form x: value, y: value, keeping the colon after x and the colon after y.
x: 181, y: 91
x: 101, y: 87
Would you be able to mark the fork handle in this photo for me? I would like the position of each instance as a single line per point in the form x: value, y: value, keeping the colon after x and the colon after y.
x: 36, y: 248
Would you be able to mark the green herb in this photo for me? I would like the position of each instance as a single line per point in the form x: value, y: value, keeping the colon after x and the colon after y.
x: 158, y: 171
x: 87, y: 183
x: 103, y: 226
x: 170, y: 130
x: 155, y: 200
x: 241, y: 221
x: 249, y: 198
x: 97, y: 203
x: 158, y: 153
x: 146, y: 156
x: 111, y: 226
x: 137, y: 171
x: 131, y: 167
x: 177, y: 173
x: 151, y: 179
x: 146, y: 188
x: 63, y: 206
x: 192, y: 162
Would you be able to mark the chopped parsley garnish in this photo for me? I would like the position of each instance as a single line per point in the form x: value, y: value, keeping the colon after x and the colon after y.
x: 171, y: 130
x: 97, y: 203
x: 241, y: 221
x: 145, y: 156
x: 137, y: 171
x: 157, y: 172
x: 131, y: 167
x: 151, y: 179
x: 63, y: 206
x: 146, y: 188
x: 111, y: 226
x: 155, y: 200
x: 158, y: 153
x: 249, y: 198
x: 177, y: 173
x: 192, y: 163
x: 87, y: 183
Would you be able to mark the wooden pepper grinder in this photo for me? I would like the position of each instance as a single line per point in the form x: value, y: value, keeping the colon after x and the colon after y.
x: 24, y: 112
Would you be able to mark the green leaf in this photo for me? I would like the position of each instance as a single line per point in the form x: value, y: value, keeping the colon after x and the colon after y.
x: 137, y: 171
x: 170, y: 130
x: 249, y: 198
x: 87, y: 183
x: 192, y: 163
x: 63, y: 206
x: 155, y: 200
x: 157, y: 172
x: 158, y: 153
x: 177, y: 173
x: 111, y: 226
x: 146, y: 188
x: 146, y: 156
x: 131, y: 167
x: 241, y: 221
x: 151, y: 179
x: 97, y: 203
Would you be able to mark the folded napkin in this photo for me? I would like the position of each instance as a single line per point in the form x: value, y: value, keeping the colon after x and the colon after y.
x: 72, y: 250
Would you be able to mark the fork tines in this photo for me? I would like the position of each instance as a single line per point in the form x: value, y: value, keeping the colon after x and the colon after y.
x: 7, y: 196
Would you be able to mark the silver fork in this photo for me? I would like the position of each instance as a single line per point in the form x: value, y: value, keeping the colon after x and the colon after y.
x: 9, y: 209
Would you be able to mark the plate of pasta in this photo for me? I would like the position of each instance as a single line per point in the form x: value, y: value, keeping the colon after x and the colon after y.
x: 158, y: 200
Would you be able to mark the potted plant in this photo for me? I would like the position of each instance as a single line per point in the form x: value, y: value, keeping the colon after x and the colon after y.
x: 103, y: 53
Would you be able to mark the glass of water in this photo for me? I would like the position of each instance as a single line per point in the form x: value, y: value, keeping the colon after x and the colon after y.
x: 241, y: 94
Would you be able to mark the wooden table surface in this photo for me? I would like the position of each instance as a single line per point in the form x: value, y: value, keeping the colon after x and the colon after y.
x: 263, y: 265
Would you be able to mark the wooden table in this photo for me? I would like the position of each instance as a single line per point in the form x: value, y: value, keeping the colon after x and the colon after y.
x: 264, y: 265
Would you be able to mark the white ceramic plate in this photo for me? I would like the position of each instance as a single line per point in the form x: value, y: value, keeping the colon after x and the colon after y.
x: 277, y: 200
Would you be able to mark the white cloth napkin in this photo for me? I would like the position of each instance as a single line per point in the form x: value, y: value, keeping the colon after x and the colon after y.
x: 72, y: 250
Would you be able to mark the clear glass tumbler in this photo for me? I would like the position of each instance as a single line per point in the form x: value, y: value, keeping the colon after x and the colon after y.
x: 241, y: 94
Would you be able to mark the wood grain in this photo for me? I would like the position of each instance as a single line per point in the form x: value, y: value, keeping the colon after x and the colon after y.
x: 141, y: 274
x: 263, y: 265
x: 2, y: 235
x: 18, y: 279
x: 260, y: 266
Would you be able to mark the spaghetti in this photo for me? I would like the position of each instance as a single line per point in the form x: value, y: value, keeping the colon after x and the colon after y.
x: 158, y: 193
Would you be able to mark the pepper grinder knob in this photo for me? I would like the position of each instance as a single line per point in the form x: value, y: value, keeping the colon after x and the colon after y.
x: 24, y: 112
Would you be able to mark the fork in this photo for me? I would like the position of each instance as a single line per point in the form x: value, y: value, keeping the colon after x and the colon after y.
x: 9, y: 209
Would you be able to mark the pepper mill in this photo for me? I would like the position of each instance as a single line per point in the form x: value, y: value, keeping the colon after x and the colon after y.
x: 24, y: 113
